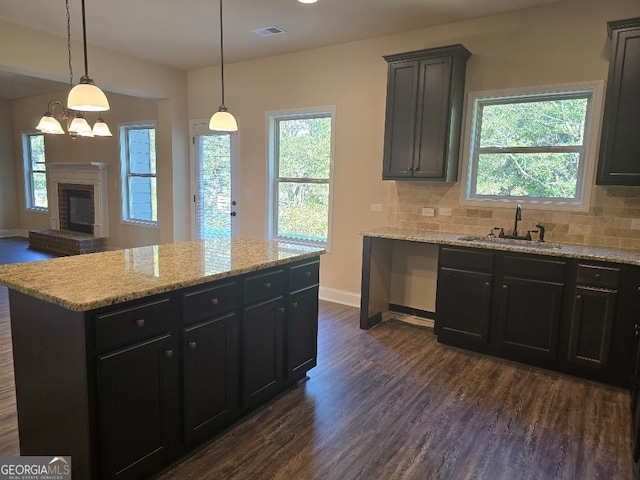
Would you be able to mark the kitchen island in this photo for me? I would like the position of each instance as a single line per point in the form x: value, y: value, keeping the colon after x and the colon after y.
x: 127, y: 360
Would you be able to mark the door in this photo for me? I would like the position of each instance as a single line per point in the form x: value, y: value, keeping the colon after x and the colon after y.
x: 215, y: 208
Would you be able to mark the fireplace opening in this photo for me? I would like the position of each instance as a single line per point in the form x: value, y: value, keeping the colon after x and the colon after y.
x: 79, y: 211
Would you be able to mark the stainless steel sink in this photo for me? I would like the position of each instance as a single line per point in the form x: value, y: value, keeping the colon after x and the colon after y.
x: 510, y: 241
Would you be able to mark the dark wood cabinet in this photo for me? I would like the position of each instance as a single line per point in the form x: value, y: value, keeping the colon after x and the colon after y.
x: 463, y: 300
x: 301, y: 332
x: 138, y: 412
x: 620, y: 143
x: 262, y: 350
x: 425, y: 92
x: 530, y: 306
x: 210, y: 375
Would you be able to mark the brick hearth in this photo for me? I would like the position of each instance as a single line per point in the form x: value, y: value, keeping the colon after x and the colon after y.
x: 65, y: 242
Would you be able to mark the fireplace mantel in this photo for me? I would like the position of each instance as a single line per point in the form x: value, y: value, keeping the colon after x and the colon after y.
x: 92, y: 173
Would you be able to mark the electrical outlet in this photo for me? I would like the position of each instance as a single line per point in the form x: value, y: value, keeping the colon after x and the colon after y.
x: 635, y: 224
x: 444, y: 212
x: 248, y: 193
x: 428, y: 212
x: 376, y: 207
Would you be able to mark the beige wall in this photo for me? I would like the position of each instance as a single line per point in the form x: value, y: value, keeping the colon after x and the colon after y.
x: 63, y: 149
x: 41, y: 55
x: 552, y: 44
x: 8, y: 192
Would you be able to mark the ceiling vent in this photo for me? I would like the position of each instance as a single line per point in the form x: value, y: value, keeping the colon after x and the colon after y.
x: 269, y: 31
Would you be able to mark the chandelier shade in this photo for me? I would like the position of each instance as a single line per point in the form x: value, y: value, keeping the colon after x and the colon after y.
x: 101, y: 129
x: 48, y: 124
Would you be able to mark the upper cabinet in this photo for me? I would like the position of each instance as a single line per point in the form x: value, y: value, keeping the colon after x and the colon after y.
x: 425, y: 93
x: 619, y: 162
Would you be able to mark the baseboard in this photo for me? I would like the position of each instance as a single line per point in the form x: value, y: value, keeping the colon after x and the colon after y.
x: 17, y: 232
x: 340, y: 296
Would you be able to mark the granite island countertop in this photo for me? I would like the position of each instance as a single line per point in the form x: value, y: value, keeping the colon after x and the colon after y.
x: 602, y: 254
x: 86, y: 282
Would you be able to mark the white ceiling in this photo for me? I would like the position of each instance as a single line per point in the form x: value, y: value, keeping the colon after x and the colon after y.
x: 185, y: 34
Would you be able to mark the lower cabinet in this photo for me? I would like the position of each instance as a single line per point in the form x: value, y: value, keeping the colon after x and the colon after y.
x: 554, y: 312
x: 210, y: 375
x: 302, y: 332
x: 262, y: 352
x: 463, y: 303
x: 530, y: 306
x: 173, y: 371
x: 138, y: 410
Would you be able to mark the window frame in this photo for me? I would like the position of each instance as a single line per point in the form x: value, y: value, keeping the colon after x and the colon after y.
x: 29, y: 183
x: 588, y: 159
x: 273, y: 179
x: 125, y: 165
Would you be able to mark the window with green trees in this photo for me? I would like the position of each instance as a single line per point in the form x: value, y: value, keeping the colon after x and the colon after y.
x: 35, y: 171
x: 531, y: 147
x: 301, y: 177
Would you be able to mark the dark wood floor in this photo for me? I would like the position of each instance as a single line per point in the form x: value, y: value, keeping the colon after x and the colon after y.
x: 16, y: 250
x: 391, y: 403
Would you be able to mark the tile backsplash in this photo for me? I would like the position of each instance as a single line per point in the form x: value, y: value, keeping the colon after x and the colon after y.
x: 606, y: 224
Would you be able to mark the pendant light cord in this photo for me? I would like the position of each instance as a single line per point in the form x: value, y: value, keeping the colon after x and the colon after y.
x: 221, y: 54
x: 84, y: 41
x: 69, y: 45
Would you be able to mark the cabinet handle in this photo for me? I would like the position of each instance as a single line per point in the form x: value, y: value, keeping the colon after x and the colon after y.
x: 486, y: 284
x: 140, y: 322
x: 598, y: 276
x: 308, y: 275
x: 504, y: 287
x: 636, y: 329
x: 168, y: 353
x: 267, y: 285
x: 579, y: 298
x: 294, y: 304
x: 193, y: 345
x: 214, y: 301
x: 281, y: 310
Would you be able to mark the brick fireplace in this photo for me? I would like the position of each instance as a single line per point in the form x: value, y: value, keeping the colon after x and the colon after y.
x: 78, y: 204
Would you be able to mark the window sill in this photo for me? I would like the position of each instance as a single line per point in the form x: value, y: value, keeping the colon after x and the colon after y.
x: 565, y: 206
x: 140, y: 223
x: 37, y: 210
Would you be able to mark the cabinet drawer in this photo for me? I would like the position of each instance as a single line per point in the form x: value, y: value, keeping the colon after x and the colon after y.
x: 467, y: 259
x: 529, y: 266
x: 209, y: 302
x: 258, y: 287
x: 130, y: 325
x: 304, y: 275
x: 595, y: 276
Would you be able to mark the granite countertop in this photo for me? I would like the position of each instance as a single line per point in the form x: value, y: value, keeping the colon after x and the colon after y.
x: 86, y: 282
x: 630, y: 257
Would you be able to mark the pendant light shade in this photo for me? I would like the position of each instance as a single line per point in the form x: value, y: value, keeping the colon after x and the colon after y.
x: 86, y: 96
x: 222, y: 120
x: 48, y: 124
x: 80, y: 126
x: 101, y: 129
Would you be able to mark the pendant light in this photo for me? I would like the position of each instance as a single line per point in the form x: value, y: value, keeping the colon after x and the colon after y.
x: 222, y: 120
x: 56, y: 113
x: 86, y: 96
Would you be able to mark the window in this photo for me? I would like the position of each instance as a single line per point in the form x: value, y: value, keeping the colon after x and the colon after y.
x: 138, y: 164
x: 533, y: 147
x: 35, y: 171
x: 301, y: 159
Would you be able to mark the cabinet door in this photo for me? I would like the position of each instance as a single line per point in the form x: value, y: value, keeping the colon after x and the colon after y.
x: 593, y: 314
x: 138, y: 416
x: 463, y: 305
x: 301, y: 332
x: 635, y: 400
x: 529, y: 316
x: 210, y: 367
x: 399, y: 134
x: 618, y: 164
x: 262, y: 348
x: 432, y: 118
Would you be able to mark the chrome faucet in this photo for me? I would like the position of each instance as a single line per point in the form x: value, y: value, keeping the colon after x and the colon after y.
x: 518, y: 217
